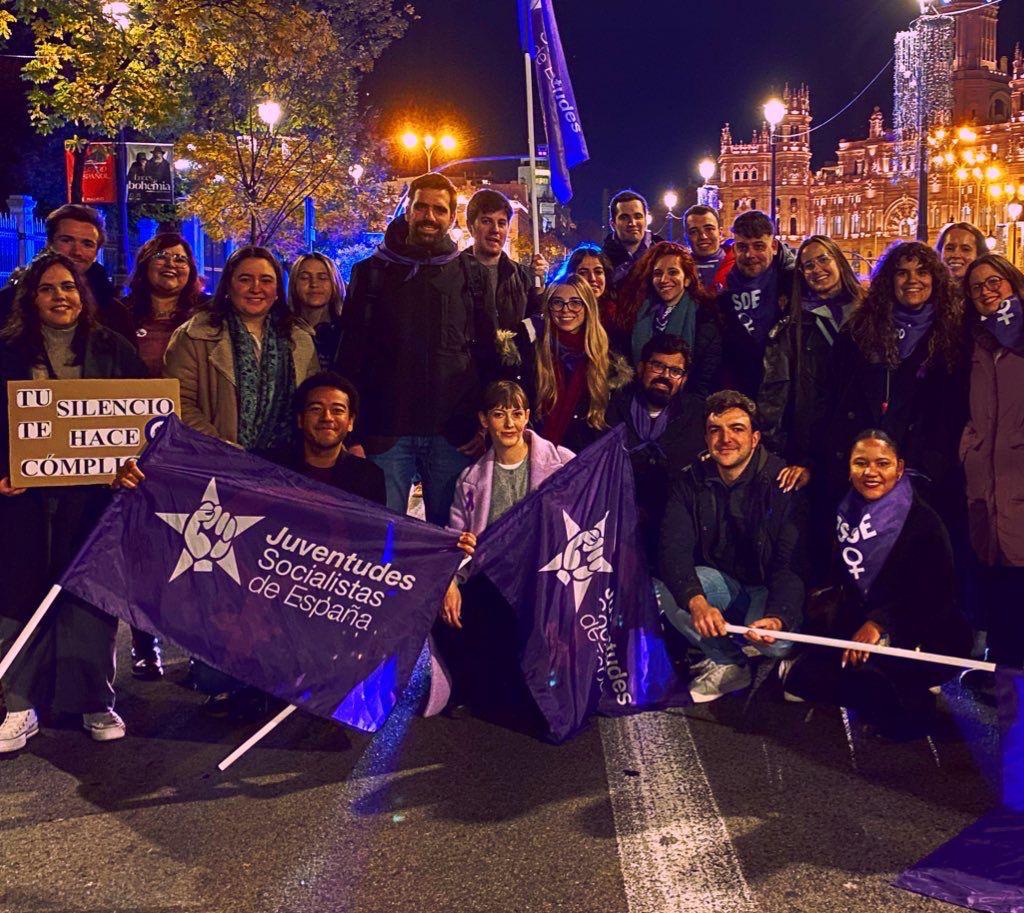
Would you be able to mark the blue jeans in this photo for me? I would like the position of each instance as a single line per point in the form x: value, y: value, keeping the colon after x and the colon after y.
x: 738, y: 603
x: 435, y: 461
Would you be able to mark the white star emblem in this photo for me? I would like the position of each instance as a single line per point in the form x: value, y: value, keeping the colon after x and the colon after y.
x: 208, y: 533
x: 581, y: 559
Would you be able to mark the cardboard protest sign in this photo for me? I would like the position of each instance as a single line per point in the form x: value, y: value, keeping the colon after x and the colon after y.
x: 79, y: 432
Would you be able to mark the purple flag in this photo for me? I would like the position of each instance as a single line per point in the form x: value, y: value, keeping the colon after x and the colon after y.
x: 567, y: 146
x: 569, y: 560
x: 308, y: 593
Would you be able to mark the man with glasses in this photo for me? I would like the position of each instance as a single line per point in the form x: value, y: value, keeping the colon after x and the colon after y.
x: 714, y: 258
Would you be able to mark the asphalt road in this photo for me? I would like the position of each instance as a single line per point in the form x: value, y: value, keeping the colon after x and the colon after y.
x: 741, y: 805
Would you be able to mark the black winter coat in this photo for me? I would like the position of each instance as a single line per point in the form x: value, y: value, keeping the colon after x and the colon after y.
x: 622, y: 259
x: 694, y: 525
x: 408, y: 344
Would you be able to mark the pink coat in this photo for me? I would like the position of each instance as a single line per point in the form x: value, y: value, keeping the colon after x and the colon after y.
x: 472, y: 501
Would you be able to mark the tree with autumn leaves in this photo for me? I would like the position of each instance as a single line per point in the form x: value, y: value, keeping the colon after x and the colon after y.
x: 200, y: 70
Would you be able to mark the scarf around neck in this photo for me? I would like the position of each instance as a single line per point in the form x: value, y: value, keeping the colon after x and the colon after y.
x: 754, y: 301
x: 836, y: 305
x: 1007, y: 324
x: 682, y: 315
x: 867, y: 530
x: 912, y: 326
x: 648, y: 428
x: 404, y: 254
x: 265, y: 386
x: 571, y: 380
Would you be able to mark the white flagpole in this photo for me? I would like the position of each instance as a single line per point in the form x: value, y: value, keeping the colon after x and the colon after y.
x: 531, y: 139
x: 256, y: 736
x: 37, y: 616
x: 868, y: 648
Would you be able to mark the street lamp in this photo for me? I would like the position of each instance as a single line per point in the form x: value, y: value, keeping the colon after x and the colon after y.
x: 1013, y: 210
x: 671, y: 200
x: 706, y: 169
x: 429, y: 143
x: 355, y: 172
x: 774, y: 112
x: 269, y: 112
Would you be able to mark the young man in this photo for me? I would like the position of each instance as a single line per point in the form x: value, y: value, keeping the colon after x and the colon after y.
x: 629, y: 238
x: 713, y: 257
x: 666, y: 427
x: 408, y: 345
x: 756, y: 294
x: 730, y: 548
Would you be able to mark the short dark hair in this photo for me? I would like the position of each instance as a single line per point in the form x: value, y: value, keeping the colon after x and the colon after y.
x: 624, y: 196
x: 724, y: 400
x: 699, y: 209
x: 325, y: 379
x: 876, y: 434
x: 753, y: 224
x: 504, y: 394
x: 77, y: 213
x: 484, y: 201
x: 666, y: 344
x: 434, y: 181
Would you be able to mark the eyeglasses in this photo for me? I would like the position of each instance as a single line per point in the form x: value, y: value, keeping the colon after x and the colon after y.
x: 175, y: 259
x: 992, y: 284
x: 573, y: 305
x: 659, y: 367
x: 808, y: 265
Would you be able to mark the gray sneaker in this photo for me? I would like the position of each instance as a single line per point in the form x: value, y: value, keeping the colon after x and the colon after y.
x: 104, y: 727
x: 16, y: 729
x: 718, y: 679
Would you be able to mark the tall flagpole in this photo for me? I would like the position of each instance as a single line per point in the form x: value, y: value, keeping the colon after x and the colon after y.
x: 534, y: 208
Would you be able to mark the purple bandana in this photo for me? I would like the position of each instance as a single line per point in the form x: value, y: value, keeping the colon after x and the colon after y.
x: 754, y: 301
x: 912, y: 326
x: 1007, y: 324
x: 867, y: 530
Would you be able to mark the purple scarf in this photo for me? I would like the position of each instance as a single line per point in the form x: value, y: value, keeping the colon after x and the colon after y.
x: 836, y: 305
x: 867, y: 530
x: 388, y: 255
x: 755, y: 302
x: 1007, y: 324
x: 912, y: 326
x: 647, y: 428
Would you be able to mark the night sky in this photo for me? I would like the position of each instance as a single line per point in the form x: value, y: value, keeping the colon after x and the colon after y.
x: 654, y: 79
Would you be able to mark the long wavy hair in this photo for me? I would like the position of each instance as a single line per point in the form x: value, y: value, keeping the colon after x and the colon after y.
x: 595, y: 345
x: 639, y: 283
x: 1005, y: 269
x: 281, y: 317
x: 23, y: 330
x: 336, y: 300
x: 871, y: 325
x: 140, y: 293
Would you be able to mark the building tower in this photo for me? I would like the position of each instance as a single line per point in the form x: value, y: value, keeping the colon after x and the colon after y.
x: 981, y: 93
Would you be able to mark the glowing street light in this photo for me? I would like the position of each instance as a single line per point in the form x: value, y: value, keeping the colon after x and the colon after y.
x: 671, y: 199
x: 118, y: 13
x: 706, y: 169
x: 774, y: 112
x: 1013, y: 210
x: 448, y: 143
x: 429, y: 143
x: 269, y: 112
x: 355, y: 172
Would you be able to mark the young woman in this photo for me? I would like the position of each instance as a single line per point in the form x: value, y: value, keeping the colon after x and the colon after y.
x: 663, y: 294
x: 316, y: 293
x: 240, y: 359
x: 561, y: 360
x: 991, y: 450
x: 897, y: 366
x: 592, y: 264
x: 959, y: 244
x: 894, y: 584
x: 68, y: 666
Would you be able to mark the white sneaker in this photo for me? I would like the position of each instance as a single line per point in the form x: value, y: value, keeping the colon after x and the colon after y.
x: 17, y: 728
x: 104, y: 727
x: 718, y: 679
x: 784, y: 666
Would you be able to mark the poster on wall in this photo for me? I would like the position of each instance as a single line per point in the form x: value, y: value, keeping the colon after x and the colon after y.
x: 150, y: 175
x: 99, y: 184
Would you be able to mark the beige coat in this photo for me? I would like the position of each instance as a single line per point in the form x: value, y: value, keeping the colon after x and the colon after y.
x: 199, y: 355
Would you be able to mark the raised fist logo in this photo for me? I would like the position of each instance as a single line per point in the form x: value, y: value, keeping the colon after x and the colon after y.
x: 208, y: 533
x: 581, y: 558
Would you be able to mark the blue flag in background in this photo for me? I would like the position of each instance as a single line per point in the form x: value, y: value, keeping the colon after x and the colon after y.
x: 567, y: 146
x: 569, y: 560
x: 306, y: 592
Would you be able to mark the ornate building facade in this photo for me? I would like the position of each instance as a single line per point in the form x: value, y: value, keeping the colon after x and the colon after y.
x: 867, y: 197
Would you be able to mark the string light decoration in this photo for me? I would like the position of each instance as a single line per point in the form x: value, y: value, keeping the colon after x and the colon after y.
x: 924, y: 53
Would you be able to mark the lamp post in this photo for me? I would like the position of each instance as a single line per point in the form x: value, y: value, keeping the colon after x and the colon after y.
x: 1013, y: 210
x: 269, y: 112
x: 671, y: 200
x: 774, y: 112
x: 429, y: 143
x: 707, y: 194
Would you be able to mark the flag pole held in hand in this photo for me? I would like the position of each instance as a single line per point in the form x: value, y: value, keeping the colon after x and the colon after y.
x: 37, y: 616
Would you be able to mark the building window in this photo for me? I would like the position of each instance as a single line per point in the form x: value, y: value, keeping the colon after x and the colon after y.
x: 753, y: 174
x: 793, y: 204
x: 819, y: 225
x: 792, y: 226
x: 753, y: 203
x: 746, y: 175
x: 736, y: 174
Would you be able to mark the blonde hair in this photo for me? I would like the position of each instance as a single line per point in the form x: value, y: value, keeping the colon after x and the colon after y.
x: 595, y: 345
x: 336, y: 301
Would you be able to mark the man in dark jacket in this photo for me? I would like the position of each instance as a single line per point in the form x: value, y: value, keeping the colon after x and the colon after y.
x: 630, y: 238
x: 408, y: 343
x: 714, y: 258
x: 77, y: 232
x: 755, y: 297
x: 666, y: 427
x: 731, y: 548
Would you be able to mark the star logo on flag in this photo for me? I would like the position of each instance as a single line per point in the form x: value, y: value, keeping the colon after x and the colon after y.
x: 581, y: 558
x: 208, y: 534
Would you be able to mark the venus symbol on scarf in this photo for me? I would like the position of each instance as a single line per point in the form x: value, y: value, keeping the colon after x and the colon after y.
x: 853, y: 557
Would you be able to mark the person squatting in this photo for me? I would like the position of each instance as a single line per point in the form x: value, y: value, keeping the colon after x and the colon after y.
x: 809, y: 451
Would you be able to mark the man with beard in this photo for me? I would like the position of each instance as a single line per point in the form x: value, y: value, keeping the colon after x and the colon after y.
x: 408, y: 344
x: 629, y: 238
x: 665, y: 427
x: 756, y: 295
x: 730, y: 548
x: 714, y: 258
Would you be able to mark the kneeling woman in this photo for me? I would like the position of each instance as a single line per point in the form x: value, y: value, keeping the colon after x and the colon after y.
x: 894, y: 583
x: 518, y: 461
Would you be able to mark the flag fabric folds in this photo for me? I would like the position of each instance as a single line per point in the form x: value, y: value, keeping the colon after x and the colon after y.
x: 567, y: 146
x: 569, y: 560
x: 308, y: 593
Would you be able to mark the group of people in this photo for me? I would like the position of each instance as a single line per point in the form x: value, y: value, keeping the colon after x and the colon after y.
x: 808, y: 451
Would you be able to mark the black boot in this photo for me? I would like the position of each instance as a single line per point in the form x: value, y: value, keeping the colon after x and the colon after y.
x: 146, y: 662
